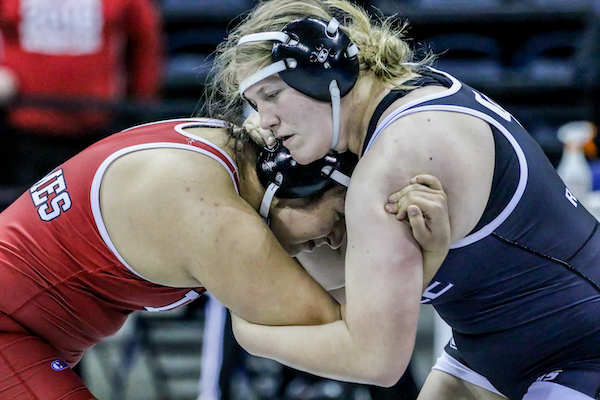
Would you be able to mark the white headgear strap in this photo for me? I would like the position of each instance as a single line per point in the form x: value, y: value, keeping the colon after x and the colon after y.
x: 265, y: 205
x: 267, y: 71
x: 334, y: 91
x: 290, y: 63
x: 336, y: 175
x: 271, y: 69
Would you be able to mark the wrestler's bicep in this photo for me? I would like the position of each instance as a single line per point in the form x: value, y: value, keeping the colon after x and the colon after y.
x: 250, y: 273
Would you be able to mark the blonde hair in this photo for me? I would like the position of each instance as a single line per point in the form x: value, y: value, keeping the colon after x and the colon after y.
x: 382, y: 50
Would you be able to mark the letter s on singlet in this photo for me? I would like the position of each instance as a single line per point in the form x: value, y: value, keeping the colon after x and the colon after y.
x: 50, y: 195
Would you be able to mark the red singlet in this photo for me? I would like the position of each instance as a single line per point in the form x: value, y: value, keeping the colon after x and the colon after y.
x: 64, y: 285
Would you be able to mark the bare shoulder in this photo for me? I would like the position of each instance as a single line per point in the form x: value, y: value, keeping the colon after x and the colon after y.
x: 456, y: 148
x: 176, y: 218
x: 154, y: 201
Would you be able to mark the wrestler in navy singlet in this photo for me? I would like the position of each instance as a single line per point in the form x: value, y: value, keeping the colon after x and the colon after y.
x: 521, y: 291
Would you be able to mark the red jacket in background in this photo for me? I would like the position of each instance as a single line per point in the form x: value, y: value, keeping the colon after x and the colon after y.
x: 80, y: 52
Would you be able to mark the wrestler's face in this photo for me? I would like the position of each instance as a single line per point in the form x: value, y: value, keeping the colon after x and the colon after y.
x: 305, y: 223
x: 302, y: 123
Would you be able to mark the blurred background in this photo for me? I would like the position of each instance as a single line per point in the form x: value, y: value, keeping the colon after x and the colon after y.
x: 72, y: 72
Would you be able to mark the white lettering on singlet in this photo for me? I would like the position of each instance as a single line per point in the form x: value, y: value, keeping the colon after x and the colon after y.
x: 570, y: 197
x: 50, y: 195
x: 429, y: 294
x: 61, y: 27
x: 550, y: 376
x: 492, y: 106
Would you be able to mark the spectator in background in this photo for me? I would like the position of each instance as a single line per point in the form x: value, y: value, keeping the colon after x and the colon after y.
x: 69, y: 62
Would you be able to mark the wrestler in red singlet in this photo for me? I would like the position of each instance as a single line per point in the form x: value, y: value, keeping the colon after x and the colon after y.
x: 64, y: 285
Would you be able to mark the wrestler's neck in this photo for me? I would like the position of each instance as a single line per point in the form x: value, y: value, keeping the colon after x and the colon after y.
x: 359, y: 106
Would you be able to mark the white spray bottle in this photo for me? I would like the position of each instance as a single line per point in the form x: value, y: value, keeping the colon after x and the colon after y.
x: 573, y: 167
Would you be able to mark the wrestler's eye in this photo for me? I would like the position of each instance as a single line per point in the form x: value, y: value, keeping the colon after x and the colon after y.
x: 272, y: 96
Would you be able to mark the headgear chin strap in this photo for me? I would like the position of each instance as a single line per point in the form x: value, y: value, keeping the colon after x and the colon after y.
x: 281, y: 175
x: 314, y: 57
x: 336, y: 98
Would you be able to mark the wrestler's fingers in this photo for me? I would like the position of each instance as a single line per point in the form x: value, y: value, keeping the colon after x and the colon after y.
x: 262, y: 137
x: 428, y: 206
x: 427, y: 180
x: 399, y: 207
x: 417, y: 223
x: 403, y: 200
x: 427, y: 200
x: 398, y: 199
x: 423, y: 182
x: 392, y: 208
x: 431, y: 231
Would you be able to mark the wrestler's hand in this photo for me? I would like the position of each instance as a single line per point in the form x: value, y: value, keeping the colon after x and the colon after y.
x: 423, y: 205
x: 262, y: 137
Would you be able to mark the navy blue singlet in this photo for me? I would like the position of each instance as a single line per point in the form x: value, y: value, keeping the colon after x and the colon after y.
x: 521, y: 291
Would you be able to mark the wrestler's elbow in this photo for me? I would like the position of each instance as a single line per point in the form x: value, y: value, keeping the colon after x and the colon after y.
x: 387, y: 377
x: 383, y: 370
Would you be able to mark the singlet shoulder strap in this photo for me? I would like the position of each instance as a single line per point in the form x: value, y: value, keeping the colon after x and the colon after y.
x: 381, y: 107
x: 424, y: 80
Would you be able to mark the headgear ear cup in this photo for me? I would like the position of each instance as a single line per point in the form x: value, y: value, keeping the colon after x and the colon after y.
x: 279, y: 173
x: 314, y: 57
x: 321, y: 56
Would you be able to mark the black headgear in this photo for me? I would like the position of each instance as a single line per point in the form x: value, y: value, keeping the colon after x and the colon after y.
x: 321, y: 56
x: 313, y: 53
x: 314, y: 57
x: 281, y: 176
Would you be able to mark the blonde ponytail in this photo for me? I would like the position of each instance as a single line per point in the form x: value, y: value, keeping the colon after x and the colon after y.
x: 383, y: 52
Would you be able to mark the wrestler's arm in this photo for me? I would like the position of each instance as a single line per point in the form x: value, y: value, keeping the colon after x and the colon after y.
x: 370, y: 345
x: 176, y: 218
x: 422, y: 204
x: 384, y: 263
